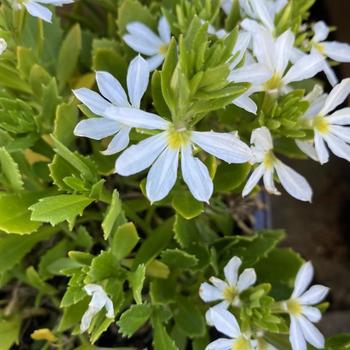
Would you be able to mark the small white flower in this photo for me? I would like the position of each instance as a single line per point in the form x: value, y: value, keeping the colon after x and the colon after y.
x: 227, y: 324
x: 339, y: 52
x: 331, y: 129
x: 162, y: 152
x: 37, y: 10
x: 3, y: 45
x: 98, y: 301
x: 262, y: 149
x: 302, y: 312
x: 143, y: 40
x: 228, y: 291
x: 113, y: 94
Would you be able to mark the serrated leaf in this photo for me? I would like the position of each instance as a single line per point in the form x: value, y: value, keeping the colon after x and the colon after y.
x: 136, y: 280
x: 185, y: 231
x: 187, y: 206
x: 176, y: 258
x: 9, y: 332
x: 230, y: 176
x: 161, y: 338
x: 124, y: 240
x: 65, y: 121
x: 9, y: 171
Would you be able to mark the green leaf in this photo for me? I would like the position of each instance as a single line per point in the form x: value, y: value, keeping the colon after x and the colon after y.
x: 163, y: 291
x: 36, y: 281
x: 161, y: 338
x: 230, y: 176
x: 187, y: 206
x: 124, y: 240
x: 69, y: 55
x: 65, y: 122
x: 176, y: 258
x: 9, y: 171
x: 133, y: 319
x: 72, y: 315
x: 136, y: 280
x: 185, y: 231
x: 338, y: 342
x: 59, y: 208
x: 15, y: 215
x: 9, y: 332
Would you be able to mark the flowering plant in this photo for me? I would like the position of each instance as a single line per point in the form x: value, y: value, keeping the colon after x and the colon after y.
x: 134, y: 136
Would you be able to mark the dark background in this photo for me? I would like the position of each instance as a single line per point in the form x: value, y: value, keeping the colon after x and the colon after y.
x: 320, y: 232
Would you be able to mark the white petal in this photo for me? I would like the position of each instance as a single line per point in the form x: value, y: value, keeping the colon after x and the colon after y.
x: 110, y: 308
x: 137, y: 80
x: 196, y: 175
x: 162, y: 176
x: 296, y: 336
x: 154, y: 62
x: 86, y: 320
x: 312, y: 313
x: 311, y: 333
x: 226, y: 6
x: 95, y: 102
x: 330, y: 74
x: 321, y: 149
x: 246, y: 279
x: 223, y: 305
x: 321, y: 31
x: 262, y: 12
x: 93, y: 288
x: 283, y: 49
x: 305, y: 68
x: 141, y: 46
x: 336, y: 97
x: 256, y: 74
x: 38, y: 10
x: 96, y: 128
x: 263, y: 47
x: 111, y: 89
x: 208, y: 293
x: 218, y: 283
x: 314, y: 295
x: 253, y: 180
x: 308, y: 148
x: 338, y: 146
x: 135, y: 118
x: 316, y: 106
x: 339, y: 52
x: 231, y: 270
x: 269, y: 182
x: 303, y: 279
x: 295, y: 184
x: 119, y: 142
x: 262, y: 140
x: 341, y: 117
x: 296, y: 54
x: 164, y: 29
x: 343, y: 132
x: 220, y: 344
x: 245, y: 102
x: 241, y: 45
x: 141, y: 156
x: 225, y: 322
x: 224, y: 146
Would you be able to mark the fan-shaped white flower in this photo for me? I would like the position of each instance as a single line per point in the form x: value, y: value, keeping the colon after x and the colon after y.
x: 226, y: 323
x: 329, y: 129
x: 3, y: 45
x: 295, y: 184
x: 339, y: 52
x: 143, y: 40
x: 162, y: 152
x: 302, y: 312
x: 113, y: 94
x: 98, y: 301
x: 35, y: 8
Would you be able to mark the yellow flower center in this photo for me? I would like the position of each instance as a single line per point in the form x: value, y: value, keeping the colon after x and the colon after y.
x: 294, y: 307
x: 163, y: 49
x: 269, y: 160
x: 321, y: 124
x: 178, y: 137
x: 320, y: 48
x: 230, y: 294
x: 274, y: 83
x: 241, y: 343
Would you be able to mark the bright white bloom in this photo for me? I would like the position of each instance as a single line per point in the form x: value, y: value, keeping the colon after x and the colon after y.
x: 295, y: 184
x: 143, y: 40
x: 302, y: 312
x: 331, y: 129
x: 162, y: 152
x: 227, y: 324
x: 113, y: 94
x: 228, y: 291
x: 98, y: 301
x: 339, y: 52
x: 274, y: 56
x: 35, y: 8
x: 3, y: 45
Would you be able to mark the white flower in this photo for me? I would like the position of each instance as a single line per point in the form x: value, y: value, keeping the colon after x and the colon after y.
x: 262, y: 149
x: 143, y: 40
x: 273, y: 57
x: 330, y: 129
x: 113, y: 94
x: 227, y: 324
x: 99, y: 301
x: 162, y: 152
x: 37, y: 10
x: 302, y: 313
x: 339, y: 52
x: 3, y: 45
x: 228, y: 291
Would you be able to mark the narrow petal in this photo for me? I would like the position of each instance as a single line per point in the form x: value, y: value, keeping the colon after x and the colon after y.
x: 321, y: 31
x: 330, y: 74
x: 111, y: 89
x: 269, y: 182
x: 321, y: 149
x: 154, y: 62
x: 119, y: 142
x: 241, y: 45
x: 231, y: 270
x: 110, y: 308
x: 164, y: 29
x: 137, y: 80
x: 262, y: 140
x: 141, y: 156
x: 208, y: 293
x: 263, y: 47
x: 196, y: 175
x: 86, y: 320
x: 225, y: 322
x: 141, y: 46
x: 246, y: 279
x: 218, y: 283
x: 245, y: 102
x: 313, y: 314
x: 253, y: 180
x: 38, y: 10
x: 295, y: 184
x: 314, y: 295
x: 226, y: 5
x: 223, y: 305
x: 283, y: 48
x: 303, y: 279
x: 296, y: 336
x: 162, y: 176
x: 338, y: 146
x: 339, y: 52
x: 311, y: 333
x: 263, y: 14
x: 224, y: 146
x: 93, y: 288
x: 341, y: 117
x: 256, y: 74
x: 96, y: 128
x: 342, y: 132
x: 308, y: 148
x: 220, y: 344
x: 95, y: 102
